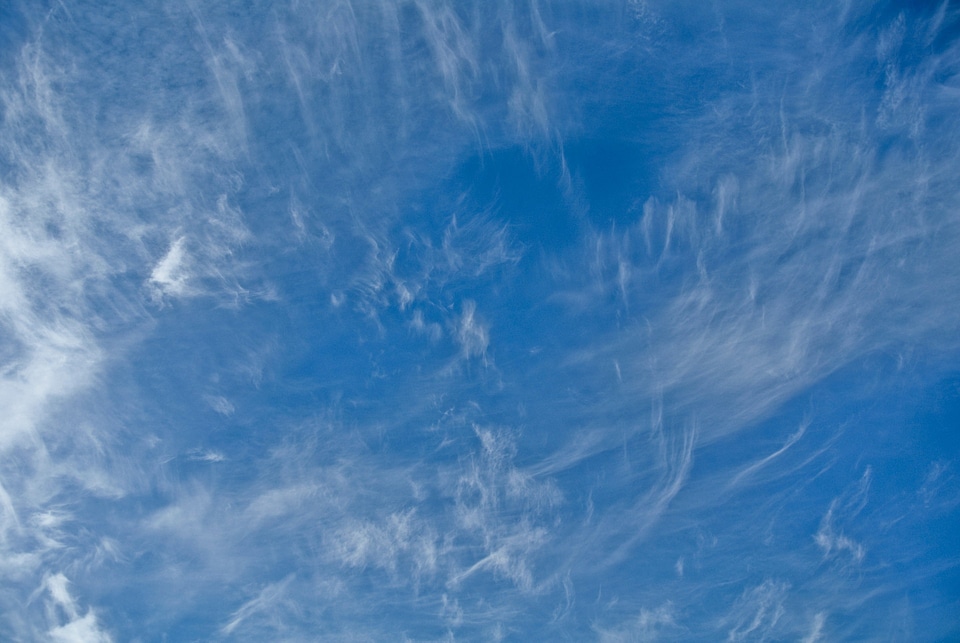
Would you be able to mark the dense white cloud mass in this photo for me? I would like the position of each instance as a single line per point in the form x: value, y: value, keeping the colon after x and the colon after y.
x: 421, y: 320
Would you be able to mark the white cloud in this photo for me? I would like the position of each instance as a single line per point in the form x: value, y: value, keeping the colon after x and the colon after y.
x: 430, y: 329
x: 77, y: 628
x: 202, y: 455
x: 845, y: 508
x: 171, y: 274
x: 758, y: 612
x: 402, y: 535
x: 833, y: 543
x: 750, y: 470
x: 264, y: 603
x: 649, y: 625
x: 220, y: 404
x: 799, y: 228
x: 472, y: 334
x: 816, y: 628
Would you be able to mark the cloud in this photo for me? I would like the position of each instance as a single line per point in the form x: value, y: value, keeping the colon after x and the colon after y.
x: 816, y: 628
x: 649, y: 625
x: 171, y: 273
x: 297, y: 184
x: 77, y: 628
x: 207, y: 456
x: 472, y: 335
x: 265, y: 603
x: 401, y: 534
x: 749, y: 470
x: 488, y: 490
x: 220, y: 404
x: 789, y: 248
x: 758, y: 612
x: 845, y: 508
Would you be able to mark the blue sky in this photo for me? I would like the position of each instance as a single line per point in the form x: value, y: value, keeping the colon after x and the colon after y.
x: 425, y: 321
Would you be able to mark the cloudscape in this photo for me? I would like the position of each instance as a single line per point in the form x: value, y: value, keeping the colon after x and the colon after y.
x: 413, y: 320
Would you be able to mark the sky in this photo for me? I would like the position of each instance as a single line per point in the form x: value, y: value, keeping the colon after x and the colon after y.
x: 616, y: 320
